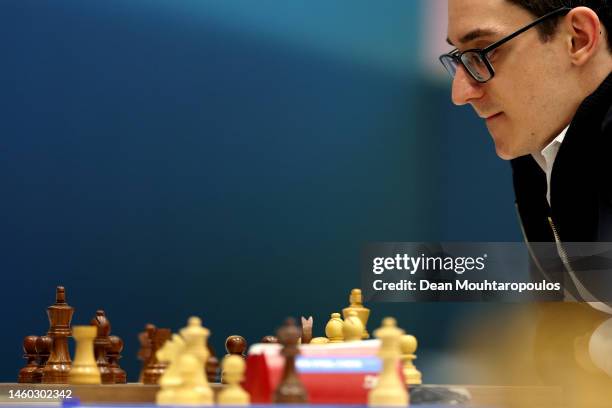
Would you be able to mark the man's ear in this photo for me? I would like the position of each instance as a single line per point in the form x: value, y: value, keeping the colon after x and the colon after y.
x: 584, y: 34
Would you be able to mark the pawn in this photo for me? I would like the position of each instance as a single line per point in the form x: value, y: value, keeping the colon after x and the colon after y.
x: 408, y: 346
x: 233, y: 367
x: 43, y: 349
x: 333, y: 329
x: 29, y: 374
x: 290, y: 390
x: 306, y: 330
x: 171, y: 380
x: 101, y: 345
x: 212, y: 365
x: 269, y: 340
x: 319, y: 340
x: 390, y: 390
x: 236, y: 345
x: 352, y: 330
x: 84, y: 368
x: 113, y: 355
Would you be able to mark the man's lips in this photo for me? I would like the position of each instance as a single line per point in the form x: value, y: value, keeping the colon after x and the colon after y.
x: 491, y: 116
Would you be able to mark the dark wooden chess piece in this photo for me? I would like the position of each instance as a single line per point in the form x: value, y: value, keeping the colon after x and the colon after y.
x: 236, y: 345
x: 156, y: 368
x: 29, y: 374
x: 60, y: 315
x: 101, y: 345
x: 43, y: 350
x: 306, y: 330
x: 212, y: 365
x: 144, y: 353
x: 269, y: 340
x: 290, y: 390
x: 114, y: 354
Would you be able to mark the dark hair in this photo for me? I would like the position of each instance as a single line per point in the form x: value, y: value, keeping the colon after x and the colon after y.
x: 547, y: 29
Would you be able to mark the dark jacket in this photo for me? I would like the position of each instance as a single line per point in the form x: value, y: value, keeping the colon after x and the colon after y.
x: 581, y: 197
x: 581, y: 180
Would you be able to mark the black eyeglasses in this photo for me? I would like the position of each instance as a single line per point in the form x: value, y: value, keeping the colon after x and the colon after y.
x: 476, y: 61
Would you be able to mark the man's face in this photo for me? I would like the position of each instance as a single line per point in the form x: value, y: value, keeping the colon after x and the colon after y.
x: 523, y: 103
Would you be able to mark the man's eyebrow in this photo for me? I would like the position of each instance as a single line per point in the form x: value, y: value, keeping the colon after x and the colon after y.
x: 474, y: 34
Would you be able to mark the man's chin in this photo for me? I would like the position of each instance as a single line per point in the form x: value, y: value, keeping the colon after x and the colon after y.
x: 506, y: 152
x: 505, y: 155
x: 505, y: 149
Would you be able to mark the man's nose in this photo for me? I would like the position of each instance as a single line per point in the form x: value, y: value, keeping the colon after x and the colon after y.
x: 465, y: 88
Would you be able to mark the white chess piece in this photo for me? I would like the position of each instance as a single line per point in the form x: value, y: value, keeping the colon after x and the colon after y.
x: 408, y: 346
x: 195, y: 337
x: 171, y: 380
x: 352, y: 329
x: 189, y: 393
x: 84, y: 368
x: 233, y: 373
x: 390, y: 390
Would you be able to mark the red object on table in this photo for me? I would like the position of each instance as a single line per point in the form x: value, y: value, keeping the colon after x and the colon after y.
x: 332, y: 373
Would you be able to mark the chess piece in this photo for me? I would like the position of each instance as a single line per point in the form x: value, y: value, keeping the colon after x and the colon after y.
x: 196, y: 338
x: 290, y: 390
x: 43, y: 349
x: 356, y: 304
x: 113, y: 355
x: 408, y: 346
x: 352, y: 330
x: 389, y: 391
x: 319, y: 340
x: 156, y: 368
x: 29, y: 374
x: 269, y: 340
x: 84, y: 368
x: 101, y: 345
x: 212, y: 365
x: 171, y: 380
x: 190, y: 369
x: 233, y: 367
x: 234, y: 345
x: 333, y: 329
x: 306, y: 330
x: 144, y: 354
x: 58, y: 365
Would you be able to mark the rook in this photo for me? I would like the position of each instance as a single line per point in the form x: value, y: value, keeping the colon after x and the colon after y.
x: 84, y: 368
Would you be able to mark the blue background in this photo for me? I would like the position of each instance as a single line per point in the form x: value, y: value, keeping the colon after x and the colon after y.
x: 227, y: 159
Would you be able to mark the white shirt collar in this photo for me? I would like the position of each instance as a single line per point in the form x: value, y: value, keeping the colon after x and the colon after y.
x: 546, y: 158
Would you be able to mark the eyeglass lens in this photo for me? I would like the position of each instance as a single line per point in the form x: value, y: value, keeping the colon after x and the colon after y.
x: 475, y: 64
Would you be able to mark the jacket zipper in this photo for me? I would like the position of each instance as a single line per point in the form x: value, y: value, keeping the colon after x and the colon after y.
x: 560, y: 249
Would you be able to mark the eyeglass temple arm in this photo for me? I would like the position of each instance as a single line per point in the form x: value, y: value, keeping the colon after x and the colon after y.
x: 527, y: 27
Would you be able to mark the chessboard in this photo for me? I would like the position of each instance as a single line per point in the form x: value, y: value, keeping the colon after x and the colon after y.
x: 144, y: 395
x: 344, y: 367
